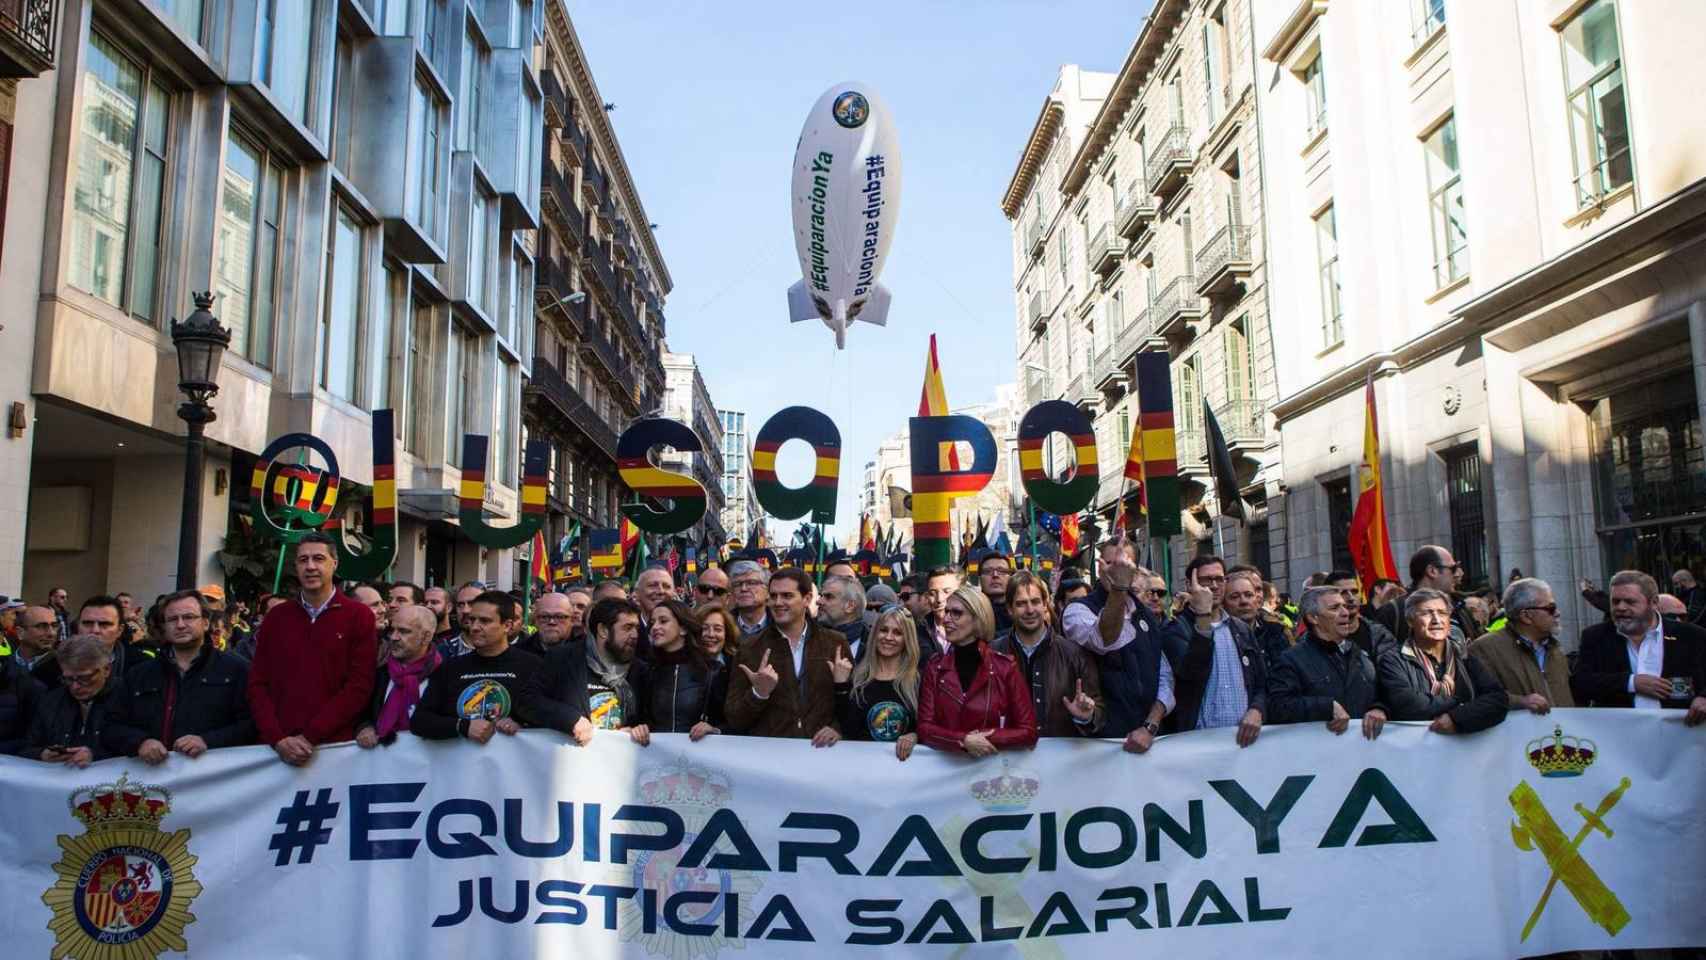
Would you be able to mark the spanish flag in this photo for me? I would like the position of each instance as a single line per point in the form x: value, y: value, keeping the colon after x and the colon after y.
x: 1068, y: 536
x: 867, y: 537
x: 1370, y: 542
x: 539, y: 568
x: 933, y: 402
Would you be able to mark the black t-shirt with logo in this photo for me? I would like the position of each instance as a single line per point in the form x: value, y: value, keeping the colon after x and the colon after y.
x: 477, y: 687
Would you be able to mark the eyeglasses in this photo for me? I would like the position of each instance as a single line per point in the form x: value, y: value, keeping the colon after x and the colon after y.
x: 711, y: 591
x: 953, y: 613
x: 1453, y: 567
x: 83, y: 679
x: 1550, y: 608
x: 748, y: 584
x: 906, y: 597
x: 184, y: 618
x: 1156, y: 593
x: 550, y: 617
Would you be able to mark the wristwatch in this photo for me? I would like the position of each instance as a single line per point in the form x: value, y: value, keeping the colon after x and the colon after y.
x: 1153, y: 728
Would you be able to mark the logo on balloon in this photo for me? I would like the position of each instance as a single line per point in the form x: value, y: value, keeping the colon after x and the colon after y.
x: 851, y: 109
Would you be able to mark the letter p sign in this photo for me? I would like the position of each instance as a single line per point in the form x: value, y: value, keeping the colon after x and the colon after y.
x: 935, y: 485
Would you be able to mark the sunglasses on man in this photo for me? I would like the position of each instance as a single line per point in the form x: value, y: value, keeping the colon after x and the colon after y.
x: 711, y: 591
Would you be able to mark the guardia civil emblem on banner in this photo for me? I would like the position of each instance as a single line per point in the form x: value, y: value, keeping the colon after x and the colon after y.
x: 125, y: 886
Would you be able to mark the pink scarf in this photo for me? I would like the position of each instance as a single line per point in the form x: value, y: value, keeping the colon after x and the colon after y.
x: 405, y: 692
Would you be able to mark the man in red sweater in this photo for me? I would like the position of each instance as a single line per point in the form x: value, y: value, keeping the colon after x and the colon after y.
x: 313, y: 669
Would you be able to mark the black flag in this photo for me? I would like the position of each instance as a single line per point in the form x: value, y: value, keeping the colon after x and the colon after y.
x: 1220, y: 464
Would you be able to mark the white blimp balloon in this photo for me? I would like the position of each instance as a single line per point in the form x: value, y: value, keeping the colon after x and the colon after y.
x: 846, y: 200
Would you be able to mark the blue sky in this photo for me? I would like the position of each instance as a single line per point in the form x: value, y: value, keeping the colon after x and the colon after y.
x: 710, y: 98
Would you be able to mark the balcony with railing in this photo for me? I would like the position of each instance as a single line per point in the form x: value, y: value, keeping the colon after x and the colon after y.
x: 593, y: 344
x: 1224, y: 262
x: 576, y: 154
x: 1104, y: 252
x: 1081, y: 390
x: 557, y: 201
x: 1136, y: 210
x: 594, y: 183
x: 595, y: 256
x: 1170, y: 162
x: 1034, y: 238
x: 1190, y: 445
x: 1037, y: 386
x: 556, y: 101
x: 1244, y: 422
x: 548, y: 384
x: 27, y: 29
x: 1038, y: 317
x: 1113, y: 364
x: 1176, y: 305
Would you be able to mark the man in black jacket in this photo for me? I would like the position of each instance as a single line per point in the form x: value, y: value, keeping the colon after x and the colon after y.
x: 1220, y: 674
x: 493, y: 689
x: 1326, y: 677
x: 190, y: 699
x: 595, y: 685
x: 1640, y: 659
x: 1243, y: 599
x: 1371, y: 635
x: 69, y: 720
x: 1112, y: 625
x: 19, y: 695
x: 103, y: 618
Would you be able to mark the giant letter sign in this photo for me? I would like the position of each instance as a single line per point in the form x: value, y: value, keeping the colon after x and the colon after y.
x: 633, y: 460
x: 1058, y: 416
x: 383, y: 551
x: 816, y: 498
x: 302, y: 495
x: 935, y: 485
x: 473, y: 495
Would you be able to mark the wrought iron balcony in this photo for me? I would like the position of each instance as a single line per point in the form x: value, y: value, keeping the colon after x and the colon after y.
x: 1136, y: 210
x: 1175, y: 305
x: 557, y: 201
x: 1113, y: 365
x: 595, y: 256
x: 1104, y: 252
x: 1039, y: 317
x: 1170, y: 161
x: 1244, y: 423
x: 593, y: 182
x: 593, y: 344
x: 576, y: 155
x: 1224, y: 261
x: 27, y: 29
x: 1037, y: 386
x: 547, y: 383
x: 556, y: 102
x: 1191, y: 447
x: 1034, y: 237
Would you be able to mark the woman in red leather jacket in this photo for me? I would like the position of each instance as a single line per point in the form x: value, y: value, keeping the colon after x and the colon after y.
x: 973, y: 698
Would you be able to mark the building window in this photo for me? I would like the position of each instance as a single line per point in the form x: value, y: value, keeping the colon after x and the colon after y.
x: 1327, y: 256
x: 251, y: 207
x: 343, y: 104
x: 479, y: 251
x: 1648, y: 461
x: 1315, y: 85
x: 504, y: 429
x: 186, y: 14
x: 1599, y: 117
x: 1240, y: 374
x: 417, y: 385
x: 1213, y: 65
x: 394, y: 19
x: 1338, y: 494
x: 468, y: 93
x: 285, y: 39
x: 121, y: 181
x: 385, y: 320
x: 462, y: 359
x: 1445, y: 204
x: 1189, y: 410
x: 341, y: 321
x: 425, y: 125
x: 1468, y: 523
x: 1429, y: 16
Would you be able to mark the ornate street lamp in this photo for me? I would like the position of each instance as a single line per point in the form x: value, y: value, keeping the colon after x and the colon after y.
x: 201, y: 342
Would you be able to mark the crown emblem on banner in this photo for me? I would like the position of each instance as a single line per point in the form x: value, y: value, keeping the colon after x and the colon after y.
x: 686, y: 787
x: 1561, y: 756
x: 122, y: 804
x: 1007, y: 792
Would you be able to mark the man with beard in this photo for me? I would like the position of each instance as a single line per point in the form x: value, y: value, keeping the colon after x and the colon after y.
x: 842, y: 607
x: 1066, y: 687
x: 591, y: 686
x: 1640, y: 659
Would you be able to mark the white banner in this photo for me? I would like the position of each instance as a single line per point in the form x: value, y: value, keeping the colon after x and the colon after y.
x: 1580, y: 829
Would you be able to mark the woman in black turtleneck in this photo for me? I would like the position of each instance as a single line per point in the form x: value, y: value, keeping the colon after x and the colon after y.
x: 684, y: 689
x: 973, y: 698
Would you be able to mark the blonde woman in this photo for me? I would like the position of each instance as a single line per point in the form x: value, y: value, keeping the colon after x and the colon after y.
x: 880, y: 700
x: 972, y: 698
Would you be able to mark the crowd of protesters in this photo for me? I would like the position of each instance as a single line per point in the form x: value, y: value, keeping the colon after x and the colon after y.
x: 976, y: 664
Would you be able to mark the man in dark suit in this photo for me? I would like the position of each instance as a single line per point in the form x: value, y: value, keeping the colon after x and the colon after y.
x: 1640, y: 659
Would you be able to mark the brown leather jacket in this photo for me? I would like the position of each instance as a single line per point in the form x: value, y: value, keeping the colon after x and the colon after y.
x: 1064, y: 663
x: 787, y: 712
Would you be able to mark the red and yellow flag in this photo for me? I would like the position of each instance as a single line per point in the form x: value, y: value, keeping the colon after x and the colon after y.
x: 1370, y: 542
x: 628, y: 539
x: 539, y: 568
x: 1068, y: 536
x: 933, y: 402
